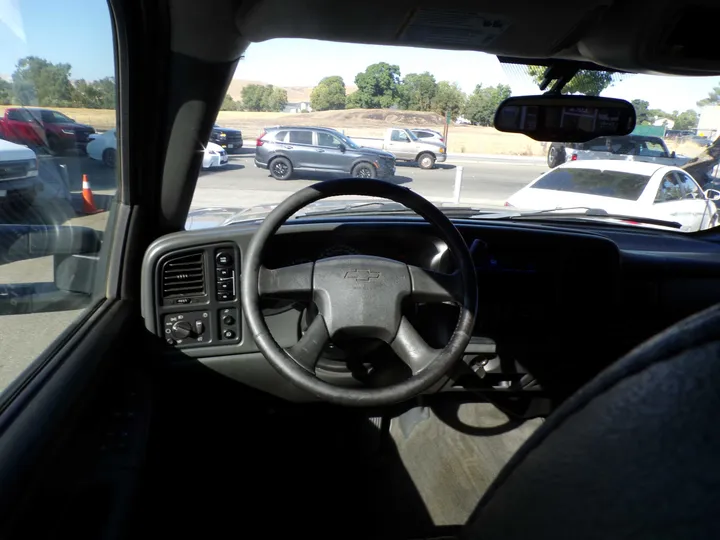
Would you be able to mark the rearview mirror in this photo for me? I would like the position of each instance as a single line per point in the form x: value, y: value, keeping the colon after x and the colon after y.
x: 561, y: 118
x: 341, y: 147
x: 712, y: 194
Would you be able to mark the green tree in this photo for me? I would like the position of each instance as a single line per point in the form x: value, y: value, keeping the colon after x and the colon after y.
x: 686, y: 120
x: 258, y: 97
x: 276, y: 98
x: 378, y: 87
x: 229, y: 104
x: 5, y: 92
x: 641, y: 111
x: 417, y: 91
x: 252, y: 97
x: 39, y: 82
x: 587, y: 82
x: 448, y: 99
x: 98, y: 94
x: 329, y: 94
x: 712, y: 99
x: 483, y: 102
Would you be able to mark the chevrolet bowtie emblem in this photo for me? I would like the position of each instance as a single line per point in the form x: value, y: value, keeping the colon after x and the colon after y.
x: 362, y: 275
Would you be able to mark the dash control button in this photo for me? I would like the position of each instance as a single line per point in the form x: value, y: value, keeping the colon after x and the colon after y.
x: 224, y: 273
x: 229, y: 334
x: 224, y: 259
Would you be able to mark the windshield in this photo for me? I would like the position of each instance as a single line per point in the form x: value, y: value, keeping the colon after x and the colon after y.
x: 346, y: 115
x: 54, y: 117
x: 615, y: 184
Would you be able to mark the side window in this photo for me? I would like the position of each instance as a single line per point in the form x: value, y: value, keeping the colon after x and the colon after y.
x: 398, y: 136
x: 57, y: 187
x: 422, y: 134
x: 280, y: 136
x: 689, y: 187
x: 328, y: 139
x: 652, y: 149
x: 300, y: 137
x: 669, y: 189
x: 17, y: 115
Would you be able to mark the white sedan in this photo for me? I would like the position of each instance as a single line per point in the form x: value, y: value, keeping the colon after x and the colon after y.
x: 630, y: 188
x: 104, y: 148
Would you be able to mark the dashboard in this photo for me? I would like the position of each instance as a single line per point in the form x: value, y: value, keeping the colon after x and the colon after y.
x: 557, y: 303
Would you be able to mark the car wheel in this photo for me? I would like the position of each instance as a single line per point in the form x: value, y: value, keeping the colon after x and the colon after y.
x: 109, y: 156
x: 555, y: 156
x: 426, y: 161
x: 363, y: 170
x: 281, y: 168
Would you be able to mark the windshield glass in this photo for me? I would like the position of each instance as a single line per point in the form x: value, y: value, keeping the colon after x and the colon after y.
x: 55, y: 117
x: 615, y: 184
x: 358, y: 112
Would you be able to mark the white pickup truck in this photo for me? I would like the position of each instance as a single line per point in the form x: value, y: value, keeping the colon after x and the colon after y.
x: 18, y: 173
x: 406, y: 146
x: 626, y: 148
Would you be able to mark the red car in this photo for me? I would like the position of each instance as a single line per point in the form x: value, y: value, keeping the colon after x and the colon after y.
x: 43, y: 129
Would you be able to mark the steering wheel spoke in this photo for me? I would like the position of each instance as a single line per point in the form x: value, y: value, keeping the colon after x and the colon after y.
x: 430, y: 286
x: 411, y: 348
x: 295, y: 280
x: 308, y: 349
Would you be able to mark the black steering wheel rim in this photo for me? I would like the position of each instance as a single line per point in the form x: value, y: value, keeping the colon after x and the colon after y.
x: 287, y: 366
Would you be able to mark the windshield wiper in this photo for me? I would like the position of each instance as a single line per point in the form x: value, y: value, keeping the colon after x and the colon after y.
x: 594, y: 213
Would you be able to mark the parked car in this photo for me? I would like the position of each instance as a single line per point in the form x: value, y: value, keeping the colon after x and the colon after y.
x: 629, y: 147
x: 43, y: 129
x: 286, y: 149
x: 214, y: 156
x: 406, y: 146
x: 700, y: 140
x: 229, y: 139
x: 630, y: 188
x: 429, y: 134
x: 19, y: 181
x: 104, y: 148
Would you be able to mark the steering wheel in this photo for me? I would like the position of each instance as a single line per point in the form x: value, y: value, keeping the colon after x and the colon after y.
x: 360, y: 296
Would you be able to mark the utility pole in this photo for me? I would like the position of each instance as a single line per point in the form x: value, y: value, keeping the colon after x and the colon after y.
x: 447, y: 124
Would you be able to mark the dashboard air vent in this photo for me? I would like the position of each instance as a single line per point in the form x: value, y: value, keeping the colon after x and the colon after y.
x: 184, y: 276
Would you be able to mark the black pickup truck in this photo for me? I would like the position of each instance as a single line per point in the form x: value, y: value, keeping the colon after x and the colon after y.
x: 229, y: 138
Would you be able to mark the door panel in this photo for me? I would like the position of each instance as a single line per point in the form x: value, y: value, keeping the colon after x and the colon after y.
x: 330, y: 158
x: 300, y: 149
x: 400, y: 145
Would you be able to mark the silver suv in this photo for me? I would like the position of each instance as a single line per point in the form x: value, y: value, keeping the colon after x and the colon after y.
x: 286, y: 149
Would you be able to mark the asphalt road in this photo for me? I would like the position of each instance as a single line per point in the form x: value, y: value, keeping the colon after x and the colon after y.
x: 486, y: 181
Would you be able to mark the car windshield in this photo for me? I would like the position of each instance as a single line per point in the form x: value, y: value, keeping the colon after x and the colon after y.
x: 615, y: 184
x: 374, y: 109
x: 55, y: 117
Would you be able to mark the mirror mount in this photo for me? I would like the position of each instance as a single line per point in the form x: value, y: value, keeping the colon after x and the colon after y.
x: 565, y: 118
x: 560, y: 72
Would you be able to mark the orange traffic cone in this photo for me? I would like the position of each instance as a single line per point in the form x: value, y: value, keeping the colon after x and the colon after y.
x: 88, y: 202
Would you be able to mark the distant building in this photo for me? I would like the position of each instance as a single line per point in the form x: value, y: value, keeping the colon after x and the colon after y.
x: 709, y: 122
x: 301, y: 106
x: 664, y: 122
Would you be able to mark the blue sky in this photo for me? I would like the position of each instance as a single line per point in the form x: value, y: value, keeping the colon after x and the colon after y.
x: 78, y: 32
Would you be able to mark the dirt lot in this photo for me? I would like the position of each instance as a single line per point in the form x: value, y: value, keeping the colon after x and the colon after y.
x: 369, y: 123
